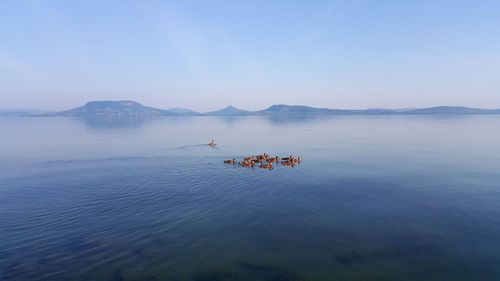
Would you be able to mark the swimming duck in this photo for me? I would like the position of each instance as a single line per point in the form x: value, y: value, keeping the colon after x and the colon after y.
x: 247, y: 164
x: 264, y: 156
x: 267, y: 166
x: 231, y: 161
x: 273, y: 159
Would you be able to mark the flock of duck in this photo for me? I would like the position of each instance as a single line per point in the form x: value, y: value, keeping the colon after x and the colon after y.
x: 264, y: 161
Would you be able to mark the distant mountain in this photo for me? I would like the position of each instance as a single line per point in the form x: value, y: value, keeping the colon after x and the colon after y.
x: 451, y: 110
x: 306, y: 110
x: 113, y: 108
x: 228, y: 111
x: 292, y: 109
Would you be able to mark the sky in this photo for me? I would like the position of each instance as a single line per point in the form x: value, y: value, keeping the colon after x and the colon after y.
x: 205, y: 55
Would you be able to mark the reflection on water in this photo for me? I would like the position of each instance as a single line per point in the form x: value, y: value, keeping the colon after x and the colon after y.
x: 376, y: 198
x: 114, y: 121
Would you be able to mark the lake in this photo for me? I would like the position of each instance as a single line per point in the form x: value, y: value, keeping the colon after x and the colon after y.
x: 375, y: 198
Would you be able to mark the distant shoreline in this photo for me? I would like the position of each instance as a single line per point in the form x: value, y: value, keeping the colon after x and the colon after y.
x: 134, y: 109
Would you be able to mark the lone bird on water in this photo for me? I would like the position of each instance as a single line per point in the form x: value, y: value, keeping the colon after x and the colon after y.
x: 212, y: 143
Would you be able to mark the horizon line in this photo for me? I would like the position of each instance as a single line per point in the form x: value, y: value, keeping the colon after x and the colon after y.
x: 230, y: 105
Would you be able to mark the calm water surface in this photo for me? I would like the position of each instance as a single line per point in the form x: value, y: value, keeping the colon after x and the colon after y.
x: 376, y: 198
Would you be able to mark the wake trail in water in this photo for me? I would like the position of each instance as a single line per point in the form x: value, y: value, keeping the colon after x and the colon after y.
x: 186, y: 147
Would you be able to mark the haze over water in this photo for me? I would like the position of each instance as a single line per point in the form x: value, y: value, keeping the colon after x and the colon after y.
x: 376, y: 198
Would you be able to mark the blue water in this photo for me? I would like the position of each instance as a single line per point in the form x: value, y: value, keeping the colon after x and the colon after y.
x: 376, y: 198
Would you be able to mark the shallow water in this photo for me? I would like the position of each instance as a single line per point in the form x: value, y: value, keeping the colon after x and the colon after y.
x: 376, y: 198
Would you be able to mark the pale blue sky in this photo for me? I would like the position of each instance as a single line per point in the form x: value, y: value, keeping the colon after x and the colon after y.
x: 207, y: 54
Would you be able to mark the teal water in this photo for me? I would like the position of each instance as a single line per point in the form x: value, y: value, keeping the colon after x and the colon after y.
x: 376, y: 198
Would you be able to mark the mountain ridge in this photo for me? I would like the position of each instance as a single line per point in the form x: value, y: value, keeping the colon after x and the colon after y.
x: 133, y: 108
x: 227, y: 111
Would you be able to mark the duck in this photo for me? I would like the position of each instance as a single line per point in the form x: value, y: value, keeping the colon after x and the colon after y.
x: 296, y: 160
x: 287, y: 158
x: 263, y: 156
x: 287, y: 163
x: 212, y: 143
x: 273, y: 159
x: 247, y: 164
x: 230, y: 161
x: 266, y: 166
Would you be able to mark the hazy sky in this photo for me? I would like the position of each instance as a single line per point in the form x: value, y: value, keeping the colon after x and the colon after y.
x: 207, y: 54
